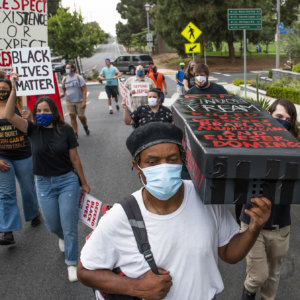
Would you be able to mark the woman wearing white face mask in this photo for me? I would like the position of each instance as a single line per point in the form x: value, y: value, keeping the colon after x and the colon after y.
x: 153, y: 112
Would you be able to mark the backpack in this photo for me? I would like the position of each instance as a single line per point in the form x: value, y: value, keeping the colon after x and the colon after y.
x: 136, y: 221
x: 65, y: 78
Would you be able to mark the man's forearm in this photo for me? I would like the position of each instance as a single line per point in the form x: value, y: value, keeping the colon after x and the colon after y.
x: 109, y: 282
x: 239, y: 246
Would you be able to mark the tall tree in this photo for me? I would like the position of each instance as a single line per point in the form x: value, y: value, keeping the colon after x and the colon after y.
x: 70, y: 37
x: 53, y: 6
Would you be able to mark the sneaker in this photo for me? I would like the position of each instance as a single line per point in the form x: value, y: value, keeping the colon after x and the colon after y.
x: 7, y: 239
x: 36, y: 221
x: 72, y: 273
x: 61, y: 245
x: 247, y: 295
x: 117, y: 107
x: 111, y: 111
x: 86, y: 129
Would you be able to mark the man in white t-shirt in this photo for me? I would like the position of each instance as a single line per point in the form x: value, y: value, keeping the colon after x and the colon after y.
x: 186, y: 236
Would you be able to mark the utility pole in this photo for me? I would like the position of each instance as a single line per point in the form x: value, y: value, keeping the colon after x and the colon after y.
x: 147, y: 8
x: 278, y: 36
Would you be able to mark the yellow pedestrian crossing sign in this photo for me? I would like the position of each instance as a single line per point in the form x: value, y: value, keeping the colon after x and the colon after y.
x: 191, y: 32
x: 192, y: 48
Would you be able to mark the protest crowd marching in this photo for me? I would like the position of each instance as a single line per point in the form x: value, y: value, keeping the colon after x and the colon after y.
x: 45, y: 144
x: 164, y: 240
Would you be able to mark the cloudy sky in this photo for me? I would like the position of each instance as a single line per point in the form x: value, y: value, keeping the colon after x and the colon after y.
x: 102, y: 11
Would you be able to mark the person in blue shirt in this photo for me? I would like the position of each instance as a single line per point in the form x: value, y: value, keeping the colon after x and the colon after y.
x: 179, y: 79
x: 110, y: 74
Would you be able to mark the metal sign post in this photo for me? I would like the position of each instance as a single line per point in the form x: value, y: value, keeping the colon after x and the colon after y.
x: 244, y: 19
x: 245, y: 62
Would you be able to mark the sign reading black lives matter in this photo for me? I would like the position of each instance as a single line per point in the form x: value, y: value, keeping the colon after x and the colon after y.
x: 236, y: 150
x: 33, y: 65
x: 23, y: 24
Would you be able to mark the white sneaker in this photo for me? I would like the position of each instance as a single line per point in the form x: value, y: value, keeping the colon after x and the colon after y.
x: 61, y: 245
x: 72, y: 273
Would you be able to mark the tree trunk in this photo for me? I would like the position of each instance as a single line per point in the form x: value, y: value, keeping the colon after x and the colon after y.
x: 77, y: 66
x: 231, y: 52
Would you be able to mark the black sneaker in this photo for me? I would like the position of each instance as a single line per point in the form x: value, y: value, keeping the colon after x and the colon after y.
x: 111, y: 111
x: 36, y: 221
x: 7, y: 239
x: 117, y: 107
x: 247, y: 295
x: 86, y: 129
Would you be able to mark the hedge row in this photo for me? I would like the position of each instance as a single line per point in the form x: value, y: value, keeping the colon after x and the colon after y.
x: 280, y: 92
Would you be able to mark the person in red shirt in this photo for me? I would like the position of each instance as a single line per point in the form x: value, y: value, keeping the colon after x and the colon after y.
x: 160, y: 82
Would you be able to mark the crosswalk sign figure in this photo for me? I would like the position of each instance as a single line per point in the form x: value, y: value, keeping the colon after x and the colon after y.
x: 191, y: 32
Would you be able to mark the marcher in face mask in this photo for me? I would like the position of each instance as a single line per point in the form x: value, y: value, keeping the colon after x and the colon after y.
x: 154, y: 111
x: 202, y: 83
x: 264, y: 259
x: 179, y: 78
x: 138, y: 96
x: 186, y: 236
x: 58, y: 170
x: 15, y: 162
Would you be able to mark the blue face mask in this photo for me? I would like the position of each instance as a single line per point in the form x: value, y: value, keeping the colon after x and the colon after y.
x: 140, y: 73
x: 163, y: 181
x: 44, y: 119
x: 182, y: 68
x: 284, y: 123
x: 68, y: 71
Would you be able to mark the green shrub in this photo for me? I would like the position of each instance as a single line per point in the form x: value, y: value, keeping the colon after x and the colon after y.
x: 239, y: 81
x: 262, y: 102
x: 270, y: 74
x: 296, y: 68
x: 89, y: 77
x: 282, y: 92
x: 95, y: 75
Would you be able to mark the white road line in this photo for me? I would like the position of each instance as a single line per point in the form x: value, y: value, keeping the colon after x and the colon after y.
x: 258, y: 72
x: 102, y: 96
x: 87, y: 94
x: 217, y: 73
x: 227, y: 75
x: 222, y: 82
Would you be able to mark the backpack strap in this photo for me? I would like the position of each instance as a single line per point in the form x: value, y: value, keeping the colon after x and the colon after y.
x: 137, y: 223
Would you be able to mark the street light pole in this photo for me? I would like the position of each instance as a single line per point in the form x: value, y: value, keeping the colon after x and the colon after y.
x: 147, y: 8
x: 278, y: 36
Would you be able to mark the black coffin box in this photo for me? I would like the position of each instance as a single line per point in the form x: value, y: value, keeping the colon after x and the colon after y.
x: 236, y: 150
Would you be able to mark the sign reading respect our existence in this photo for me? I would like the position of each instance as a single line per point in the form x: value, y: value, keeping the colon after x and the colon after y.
x: 89, y: 210
x: 125, y: 93
x: 33, y: 65
x: 140, y: 89
x: 248, y: 19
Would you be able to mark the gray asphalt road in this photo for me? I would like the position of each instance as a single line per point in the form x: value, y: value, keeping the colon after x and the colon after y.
x: 34, y: 268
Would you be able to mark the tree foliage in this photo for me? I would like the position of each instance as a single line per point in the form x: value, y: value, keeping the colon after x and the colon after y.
x: 70, y: 37
x: 211, y: 17
x: 133, y: 33
x: 53, y: 6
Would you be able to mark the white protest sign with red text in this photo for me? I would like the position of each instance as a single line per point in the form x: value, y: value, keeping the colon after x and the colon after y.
x: 140, y: 89
x: 125, y: 94
x: 89, y: 210
x: 24, y: 24
x: 33, y: 65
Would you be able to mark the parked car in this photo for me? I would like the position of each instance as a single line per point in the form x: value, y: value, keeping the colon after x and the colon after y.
x: 129, y: 62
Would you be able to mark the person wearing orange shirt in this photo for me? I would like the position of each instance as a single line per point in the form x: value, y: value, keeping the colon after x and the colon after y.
x: 160, y: 82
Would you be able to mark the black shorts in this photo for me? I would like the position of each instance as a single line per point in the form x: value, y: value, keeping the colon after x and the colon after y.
x: 112, y: 91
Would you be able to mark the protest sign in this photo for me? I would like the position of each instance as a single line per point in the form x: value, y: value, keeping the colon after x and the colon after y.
x: 235, y: 150
x: 33, y: 65
x: 23, y: 24
x: 89, y: 210
x: 125, y: 94
x: 140, y: 89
